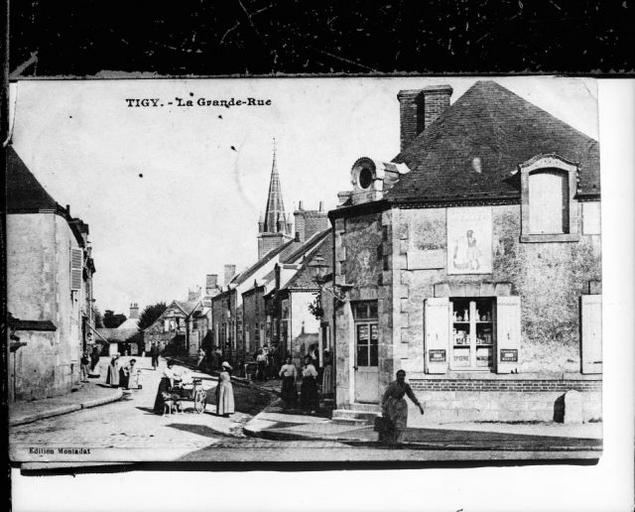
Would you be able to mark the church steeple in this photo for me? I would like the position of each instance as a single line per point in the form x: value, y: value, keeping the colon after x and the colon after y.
x: 275, y: 214
x: 275, y: 228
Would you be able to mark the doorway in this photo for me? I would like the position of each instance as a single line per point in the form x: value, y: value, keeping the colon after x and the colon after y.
x: 366, y: 352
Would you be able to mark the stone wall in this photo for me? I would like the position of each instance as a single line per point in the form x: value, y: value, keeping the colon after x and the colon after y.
x: 38, y: 288
x: 498, y: 406
x: 549, y: 278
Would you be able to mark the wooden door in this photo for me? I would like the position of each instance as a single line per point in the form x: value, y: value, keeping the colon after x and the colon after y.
x: 437, y: 334
x: 366, y: 362
x: 507, y: 334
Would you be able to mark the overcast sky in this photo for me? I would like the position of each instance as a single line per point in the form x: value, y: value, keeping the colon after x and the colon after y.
x: 197, y: 203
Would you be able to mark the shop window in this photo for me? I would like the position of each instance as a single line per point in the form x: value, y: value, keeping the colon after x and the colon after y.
x: 549, y: 211
x: 472, y: 339
x: 366, y: 333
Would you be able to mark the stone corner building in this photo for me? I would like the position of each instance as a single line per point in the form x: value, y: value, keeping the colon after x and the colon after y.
x: 49, y: 288
x: 474, y: 260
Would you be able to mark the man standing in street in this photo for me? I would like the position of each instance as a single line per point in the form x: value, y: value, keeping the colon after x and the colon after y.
x: 154, y: 353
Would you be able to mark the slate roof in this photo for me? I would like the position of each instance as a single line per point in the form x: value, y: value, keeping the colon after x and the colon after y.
x: 25, y: 194
x: 306, y: 246
x: 304, y: 278
x: 24, y: 191
x: 130, y: 323
x: 283, y: 251
x: 501, y: 128
x: 186, y: 306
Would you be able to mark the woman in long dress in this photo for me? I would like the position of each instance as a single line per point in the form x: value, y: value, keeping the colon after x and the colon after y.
x: 224, y: 392
x: 289, y: 390
x: 112, y: 377
x: 309, y: 397
x: 165, y: 385
x: 395, y: 409
x: 134, y: 375
x: 327, y: 375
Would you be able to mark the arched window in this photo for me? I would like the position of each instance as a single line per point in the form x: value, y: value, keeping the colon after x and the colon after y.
x: 548, y: 202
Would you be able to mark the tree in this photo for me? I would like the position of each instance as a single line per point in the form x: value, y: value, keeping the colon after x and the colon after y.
x: 150, y: 314
x: 112, y: 320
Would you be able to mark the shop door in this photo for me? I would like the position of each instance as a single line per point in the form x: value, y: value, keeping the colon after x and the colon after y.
x: 366, y: 363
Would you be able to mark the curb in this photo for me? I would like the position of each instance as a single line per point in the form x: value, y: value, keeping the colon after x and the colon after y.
x: 102, y: 401
x: 66, y: 409
x: 58, y: 411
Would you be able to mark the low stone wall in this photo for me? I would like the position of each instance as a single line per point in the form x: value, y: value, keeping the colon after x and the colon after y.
x: 503, y: 406
x: 503, y: 385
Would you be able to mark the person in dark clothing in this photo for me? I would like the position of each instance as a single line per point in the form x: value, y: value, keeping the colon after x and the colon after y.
x: 124, y: 375
x: 289, y: 391
x: 166, y: 384
x: 309, y: 397
x: 85, y: 366
x: 154, y: 354
x: 94, y: 360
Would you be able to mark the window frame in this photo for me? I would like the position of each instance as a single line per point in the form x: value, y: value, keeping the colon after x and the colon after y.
x: 367, y: 320
x: 546, y: 163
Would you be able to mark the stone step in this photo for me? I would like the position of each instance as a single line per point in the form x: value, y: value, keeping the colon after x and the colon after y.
x: 354, y: 416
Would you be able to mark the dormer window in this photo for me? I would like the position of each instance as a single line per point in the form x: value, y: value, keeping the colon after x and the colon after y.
x: 548, y: 202
x: 549, y: 212
x: 371, y: 178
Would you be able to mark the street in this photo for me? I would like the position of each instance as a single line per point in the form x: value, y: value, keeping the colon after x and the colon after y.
x: 128, y: 430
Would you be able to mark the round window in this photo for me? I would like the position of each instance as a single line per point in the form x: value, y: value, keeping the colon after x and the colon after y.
x: 365, y: 177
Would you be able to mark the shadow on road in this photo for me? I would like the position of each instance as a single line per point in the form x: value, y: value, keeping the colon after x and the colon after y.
x: 148, y: 410
x: 446, y: 439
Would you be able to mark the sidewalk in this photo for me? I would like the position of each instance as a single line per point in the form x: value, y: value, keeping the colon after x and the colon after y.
x: 91, y: 394
x: 276, y: 424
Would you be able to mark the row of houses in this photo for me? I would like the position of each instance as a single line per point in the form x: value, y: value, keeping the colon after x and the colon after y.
x: 268, y: 303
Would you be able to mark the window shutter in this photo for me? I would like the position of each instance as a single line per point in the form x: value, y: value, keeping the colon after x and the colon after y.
x: 76, y: 269
x: 591, y: 327
x: 507, y: 333
x: 437, y: 334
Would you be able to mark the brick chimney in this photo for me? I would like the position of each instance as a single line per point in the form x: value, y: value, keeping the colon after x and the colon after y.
x: 418, y: 108
x: 230, y: 271
x: 193, y: 295
x: 309, y: 222
x: 134, y: 311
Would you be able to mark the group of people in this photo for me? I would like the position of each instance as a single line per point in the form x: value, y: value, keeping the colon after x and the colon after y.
x: 172, y: 379
x: 266, y: 363
x: 124, y: 374
x: 309, y: 375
